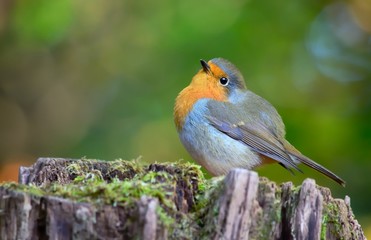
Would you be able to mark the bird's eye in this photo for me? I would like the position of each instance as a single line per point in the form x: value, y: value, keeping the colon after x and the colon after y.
x: 224, y: 81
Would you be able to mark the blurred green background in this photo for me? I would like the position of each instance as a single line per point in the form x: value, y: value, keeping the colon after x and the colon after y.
x: 99, y: 78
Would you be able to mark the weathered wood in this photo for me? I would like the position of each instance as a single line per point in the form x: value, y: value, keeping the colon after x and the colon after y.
x: 235, y: 204
x: 308, y: 214
x: 240, y: 206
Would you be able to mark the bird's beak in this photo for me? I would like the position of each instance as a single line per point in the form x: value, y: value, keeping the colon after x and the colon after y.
x: 205, y: 66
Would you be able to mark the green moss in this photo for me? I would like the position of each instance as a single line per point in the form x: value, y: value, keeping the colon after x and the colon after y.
x: 330, y: 220
x: 32, y: 189
x: 188, y: 203
x: 207, y: 188
x: 278, y: 211
x: 123, y: 183
x: 271, y: 209
x: 295, y: 189
x: 164, y: 217
x: 324, y: 226
x: 119, y: 168
x: 206, y: 210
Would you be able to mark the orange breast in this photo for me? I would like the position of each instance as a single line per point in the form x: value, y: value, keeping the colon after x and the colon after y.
x: 202, y: 86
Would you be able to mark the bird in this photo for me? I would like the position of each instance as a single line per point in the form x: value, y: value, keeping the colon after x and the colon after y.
x: 224, y: 125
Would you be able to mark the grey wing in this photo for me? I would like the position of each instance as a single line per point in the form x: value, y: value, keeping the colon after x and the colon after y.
x: 256, y: 132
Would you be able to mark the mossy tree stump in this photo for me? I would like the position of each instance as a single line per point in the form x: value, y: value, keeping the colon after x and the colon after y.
x: 90, y: 199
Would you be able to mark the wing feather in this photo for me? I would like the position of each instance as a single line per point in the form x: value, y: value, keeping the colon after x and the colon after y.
x: 262, y: 130
x: 252, y: 136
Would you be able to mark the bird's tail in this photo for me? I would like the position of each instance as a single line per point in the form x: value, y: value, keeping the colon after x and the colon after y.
x: 310, y: 163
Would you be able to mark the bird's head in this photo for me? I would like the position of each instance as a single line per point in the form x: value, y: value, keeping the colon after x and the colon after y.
x: 218, y: 79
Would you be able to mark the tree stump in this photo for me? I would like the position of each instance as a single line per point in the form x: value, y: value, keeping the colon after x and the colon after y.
x: 91, y: 199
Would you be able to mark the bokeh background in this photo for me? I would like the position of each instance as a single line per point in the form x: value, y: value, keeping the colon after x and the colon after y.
x: 99, y: 78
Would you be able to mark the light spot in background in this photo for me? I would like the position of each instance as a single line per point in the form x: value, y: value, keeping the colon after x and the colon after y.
x: 303, y: 70
x: 42, y: 20
x: 367, y: 228
x: 341, y: 48
x: 362, y: 10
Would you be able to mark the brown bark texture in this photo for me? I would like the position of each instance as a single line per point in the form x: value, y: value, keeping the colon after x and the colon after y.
x: 239, y: 206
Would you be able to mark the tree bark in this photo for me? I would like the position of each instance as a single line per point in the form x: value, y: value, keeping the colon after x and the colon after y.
x: 240, y: 206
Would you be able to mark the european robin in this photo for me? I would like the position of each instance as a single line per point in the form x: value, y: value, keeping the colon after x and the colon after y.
x: 223, y: 125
